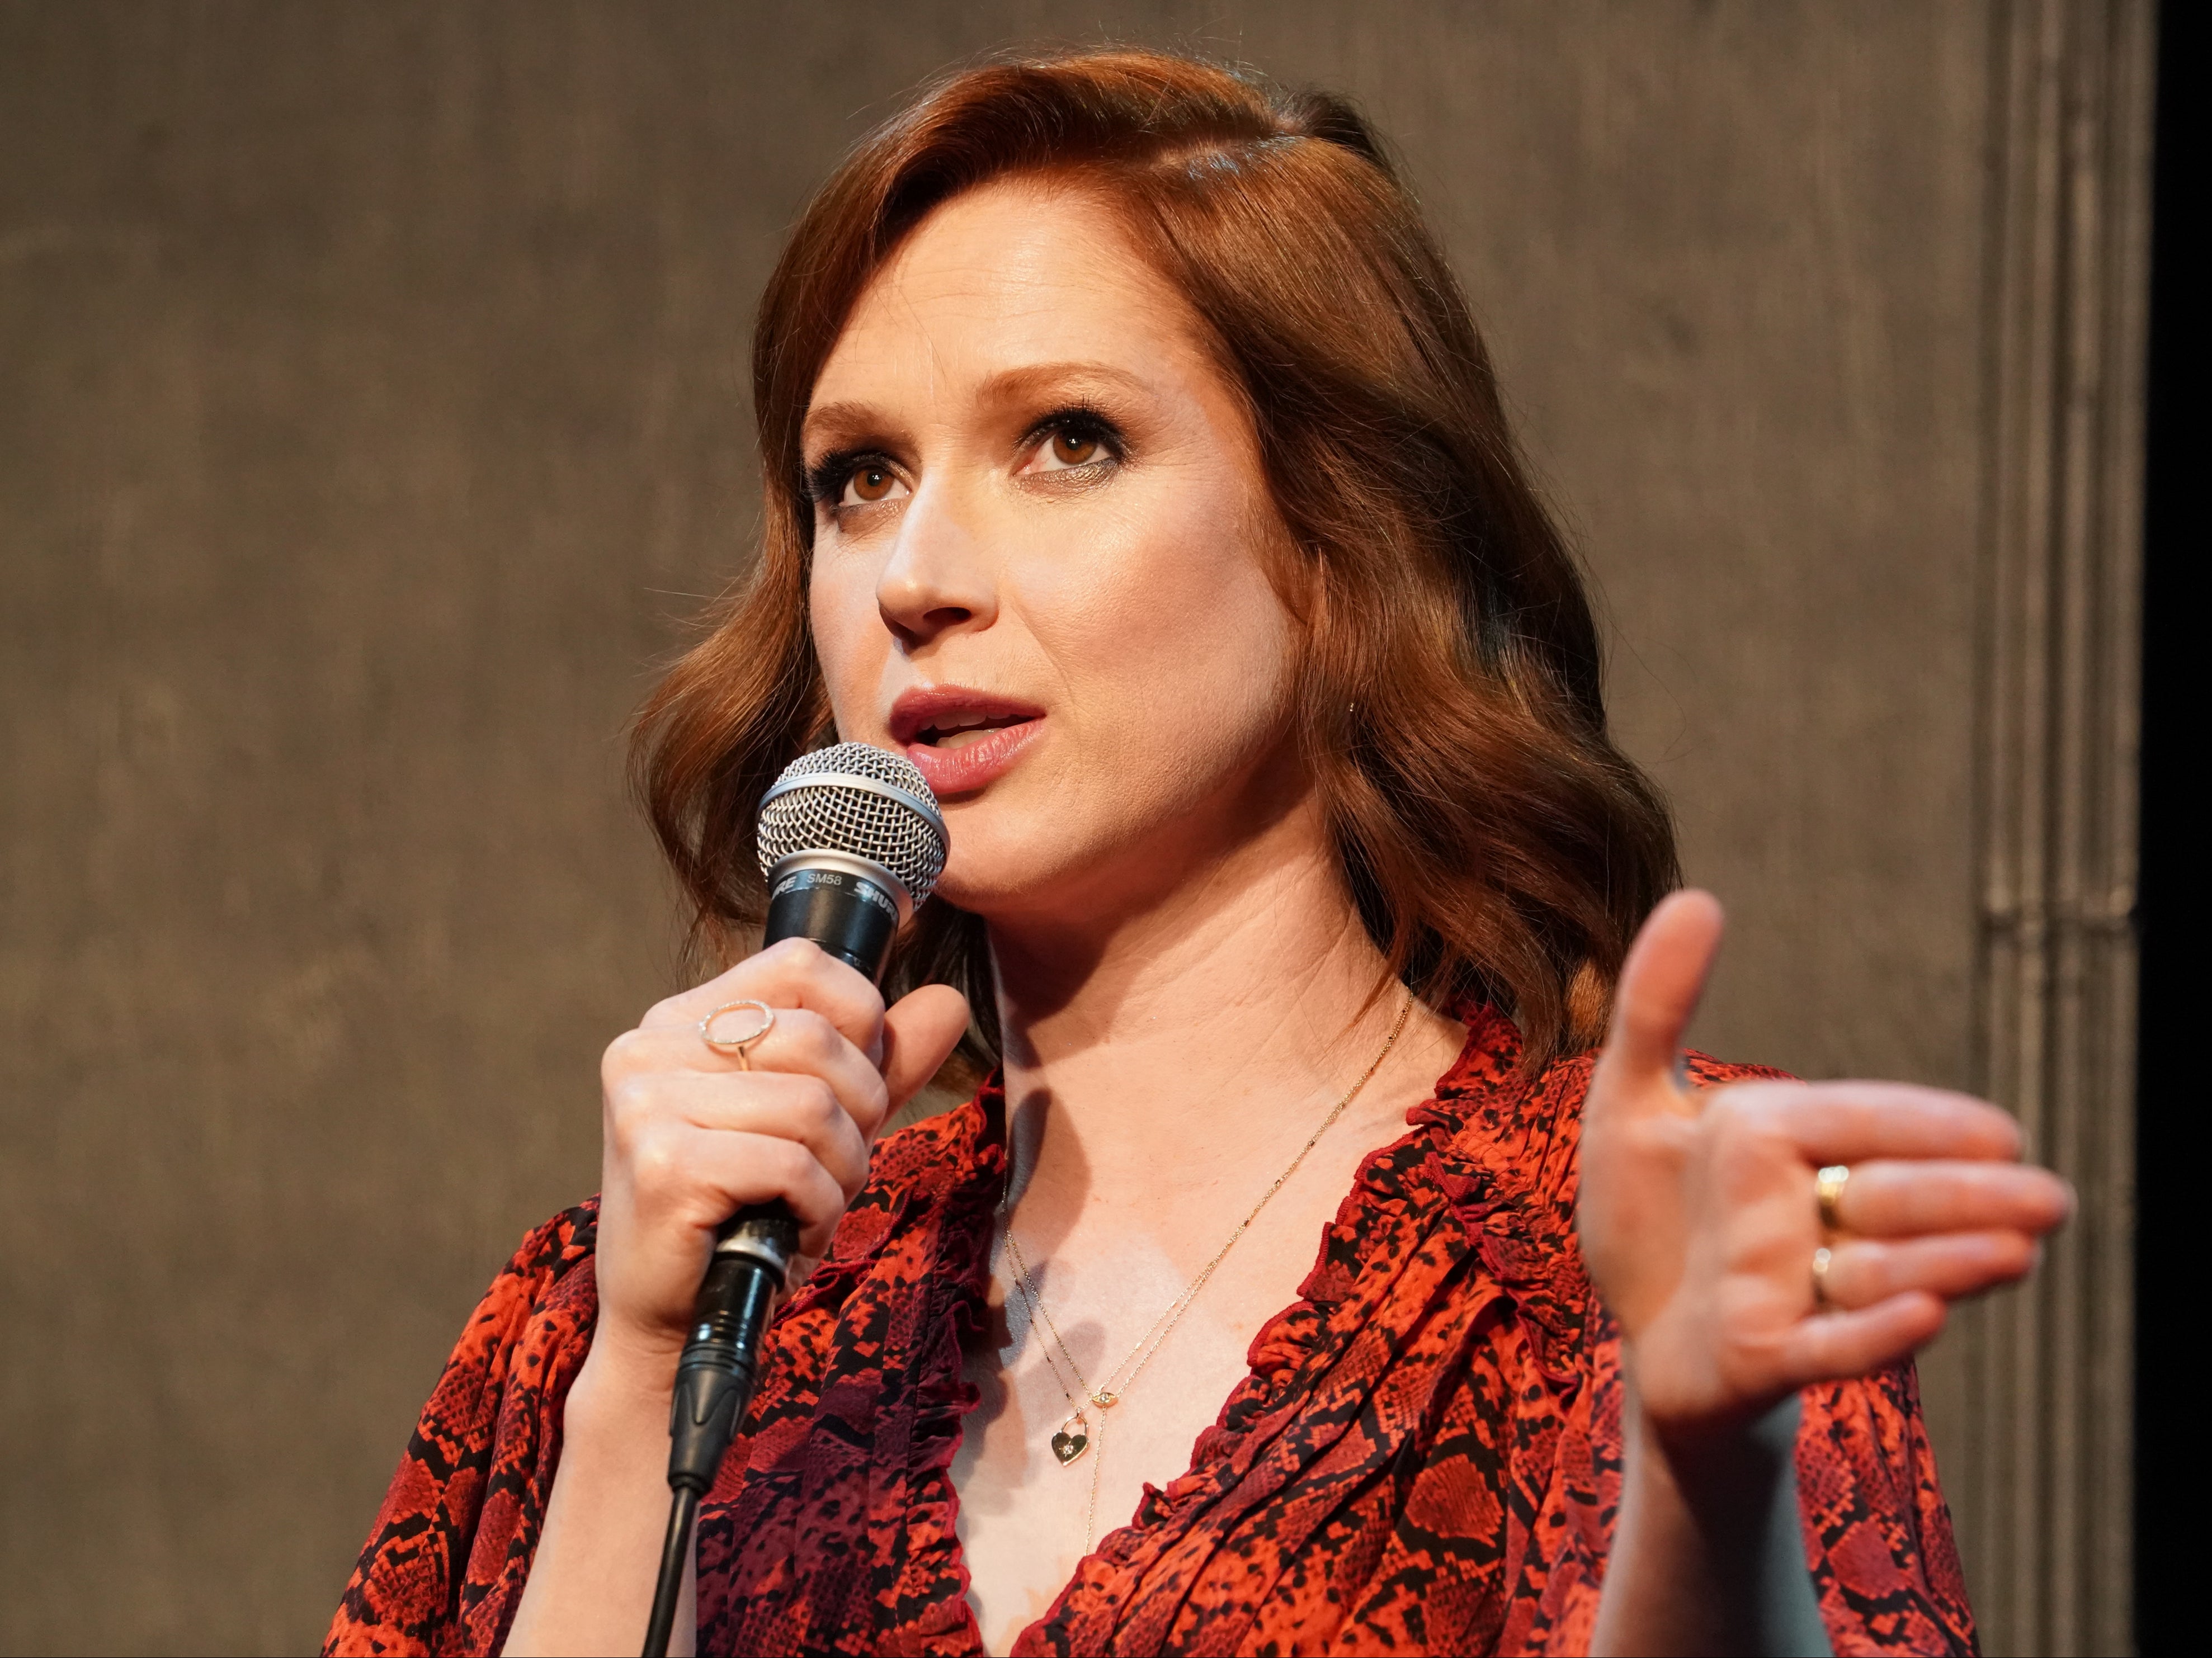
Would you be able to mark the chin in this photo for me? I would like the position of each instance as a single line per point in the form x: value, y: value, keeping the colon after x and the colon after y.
x: 992, y: 876
x: 1012, y: 861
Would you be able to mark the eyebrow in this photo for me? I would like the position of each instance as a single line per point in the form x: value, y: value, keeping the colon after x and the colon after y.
x: 839, y: 425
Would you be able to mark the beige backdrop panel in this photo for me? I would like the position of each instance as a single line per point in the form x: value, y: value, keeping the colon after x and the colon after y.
x: 371, y: 416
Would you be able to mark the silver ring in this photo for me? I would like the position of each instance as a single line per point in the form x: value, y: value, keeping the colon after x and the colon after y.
x: 738, y: 1045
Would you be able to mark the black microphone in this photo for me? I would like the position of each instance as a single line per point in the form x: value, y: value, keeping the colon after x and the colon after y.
x: 852, y: 844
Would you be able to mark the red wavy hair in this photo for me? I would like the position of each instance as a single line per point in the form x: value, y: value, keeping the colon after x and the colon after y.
x: 1496, y: 843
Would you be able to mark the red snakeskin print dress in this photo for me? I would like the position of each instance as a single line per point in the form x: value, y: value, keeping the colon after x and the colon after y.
x: 1425, y: 1457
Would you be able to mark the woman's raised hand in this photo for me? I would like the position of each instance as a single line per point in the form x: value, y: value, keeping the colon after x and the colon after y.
x: 1699, y: 1216
x: 692, y: 1133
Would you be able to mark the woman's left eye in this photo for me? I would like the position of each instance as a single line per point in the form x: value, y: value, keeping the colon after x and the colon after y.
x: 1068, y: 447
x: 869, y: 483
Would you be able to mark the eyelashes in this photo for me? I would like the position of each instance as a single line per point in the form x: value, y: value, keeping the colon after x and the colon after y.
x: 827, y: 478
x: 1077, y: 426
x: 1064, y: 433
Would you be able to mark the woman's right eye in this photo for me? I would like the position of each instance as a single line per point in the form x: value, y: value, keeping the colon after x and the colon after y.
x: 869, y: 482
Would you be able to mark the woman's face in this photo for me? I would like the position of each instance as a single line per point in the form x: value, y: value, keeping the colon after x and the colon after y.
x: 1041, y: 540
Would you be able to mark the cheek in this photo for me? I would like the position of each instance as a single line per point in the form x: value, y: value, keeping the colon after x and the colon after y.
x: 1167, y: 635
x: 850, y: 639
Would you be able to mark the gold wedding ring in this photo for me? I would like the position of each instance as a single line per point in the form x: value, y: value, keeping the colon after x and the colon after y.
x: 738, y: 1045
x: 1821, y: 1259
x: 1828, y: 1188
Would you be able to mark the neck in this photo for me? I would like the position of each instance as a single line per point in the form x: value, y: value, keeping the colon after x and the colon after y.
x: 1208, y: 1019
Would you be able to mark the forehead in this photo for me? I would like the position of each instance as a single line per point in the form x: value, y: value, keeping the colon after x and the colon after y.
x: 1014, y: 274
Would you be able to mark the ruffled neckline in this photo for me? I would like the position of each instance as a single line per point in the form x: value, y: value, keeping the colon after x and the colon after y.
x: 1476, y: 1161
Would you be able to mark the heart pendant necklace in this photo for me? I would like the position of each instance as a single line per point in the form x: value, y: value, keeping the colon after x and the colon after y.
x: 1073, y: 1436
x: 1072, y: 1439
x: 1076, y: 1431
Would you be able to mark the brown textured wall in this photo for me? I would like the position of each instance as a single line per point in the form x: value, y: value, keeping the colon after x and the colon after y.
x: 371, y: 413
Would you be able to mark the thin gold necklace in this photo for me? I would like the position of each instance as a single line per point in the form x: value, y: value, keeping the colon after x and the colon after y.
x: 1076, y: 1435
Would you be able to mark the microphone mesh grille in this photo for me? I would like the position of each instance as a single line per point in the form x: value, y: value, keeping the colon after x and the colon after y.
x: 822, y: 811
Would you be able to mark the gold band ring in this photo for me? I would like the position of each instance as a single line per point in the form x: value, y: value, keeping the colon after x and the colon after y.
x: 1828, y: 1188
x: 738, y: 1045
x: 1821, y: 1259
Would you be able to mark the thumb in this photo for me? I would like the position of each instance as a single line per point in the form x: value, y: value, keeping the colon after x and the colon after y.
x: 1660, y: 984
x: 921, y: 1030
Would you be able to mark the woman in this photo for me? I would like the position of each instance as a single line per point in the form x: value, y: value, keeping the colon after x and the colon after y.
x: 1132, y: 464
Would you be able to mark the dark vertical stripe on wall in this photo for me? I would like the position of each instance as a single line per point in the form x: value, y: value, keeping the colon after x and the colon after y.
x: 2170, y: 1193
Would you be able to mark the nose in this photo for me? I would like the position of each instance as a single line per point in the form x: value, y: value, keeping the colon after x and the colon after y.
x: 936, y: 580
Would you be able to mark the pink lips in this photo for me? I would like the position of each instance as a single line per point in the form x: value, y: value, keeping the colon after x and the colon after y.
x: 1007, y: 728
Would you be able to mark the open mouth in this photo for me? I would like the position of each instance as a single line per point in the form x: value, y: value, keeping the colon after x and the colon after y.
x: 958, y: 731
x: 962, y: 739
x: 955, y: 716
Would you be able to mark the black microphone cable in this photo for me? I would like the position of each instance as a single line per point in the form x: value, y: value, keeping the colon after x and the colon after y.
x: 715, y: 1382
x: 851, y: 843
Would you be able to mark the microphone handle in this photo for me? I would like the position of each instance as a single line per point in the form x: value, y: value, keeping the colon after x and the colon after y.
x: 854, y: 920
x: 714, y: 1381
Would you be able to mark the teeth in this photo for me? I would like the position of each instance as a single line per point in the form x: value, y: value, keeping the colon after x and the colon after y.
x: 944, y: 727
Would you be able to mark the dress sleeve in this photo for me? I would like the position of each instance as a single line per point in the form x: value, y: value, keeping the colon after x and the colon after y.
x: 1877, y: 1532
x: 451, y: 1550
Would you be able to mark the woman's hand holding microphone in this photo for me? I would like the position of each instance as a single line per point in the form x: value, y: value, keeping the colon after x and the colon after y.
x: 692, y: 1132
